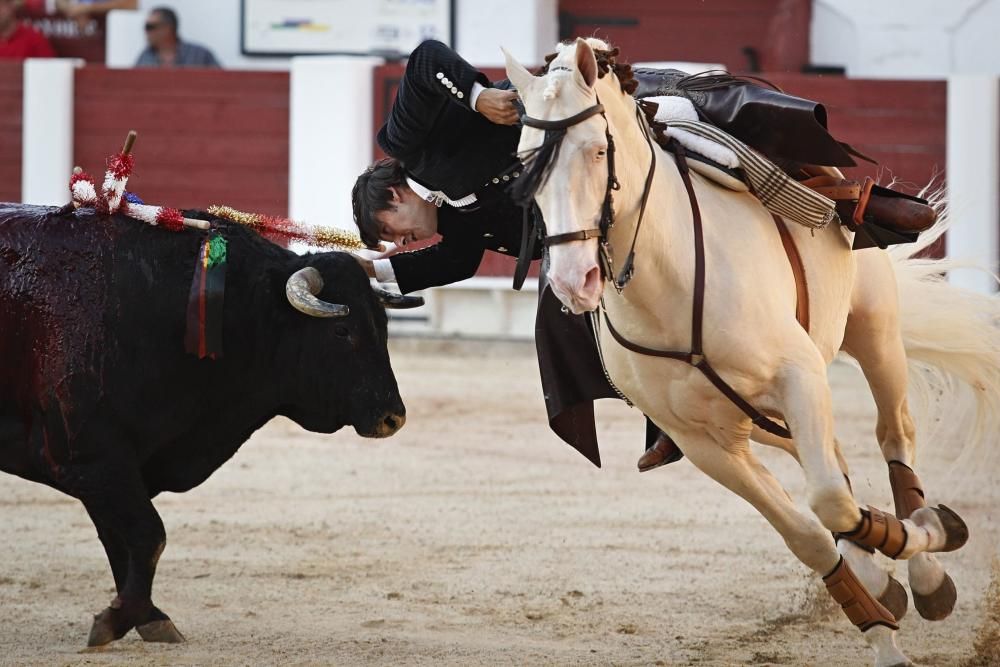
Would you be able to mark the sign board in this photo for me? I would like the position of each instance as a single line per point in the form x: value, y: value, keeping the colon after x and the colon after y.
x: 390, y: 28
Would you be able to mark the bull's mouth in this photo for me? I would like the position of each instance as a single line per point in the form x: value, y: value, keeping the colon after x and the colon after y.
x: 384, y: 428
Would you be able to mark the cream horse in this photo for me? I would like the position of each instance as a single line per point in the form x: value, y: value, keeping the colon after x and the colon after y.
x: 754, y: 342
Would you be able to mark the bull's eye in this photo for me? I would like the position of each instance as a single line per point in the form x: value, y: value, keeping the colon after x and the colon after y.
x: 341, y: 331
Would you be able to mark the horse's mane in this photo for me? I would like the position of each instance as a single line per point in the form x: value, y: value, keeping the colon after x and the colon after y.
x: 607, y: 62
x: 539, y: 162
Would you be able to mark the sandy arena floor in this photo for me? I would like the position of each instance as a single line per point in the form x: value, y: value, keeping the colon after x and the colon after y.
x: 476, y: 537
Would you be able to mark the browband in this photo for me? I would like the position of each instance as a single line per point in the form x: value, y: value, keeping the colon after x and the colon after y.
x: 562, y: 123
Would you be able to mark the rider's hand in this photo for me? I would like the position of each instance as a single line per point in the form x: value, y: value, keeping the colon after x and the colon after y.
x: 498, y: 106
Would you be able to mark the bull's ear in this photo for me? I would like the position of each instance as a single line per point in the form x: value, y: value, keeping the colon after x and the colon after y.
x: 518, y: 73
x: 586, y: 62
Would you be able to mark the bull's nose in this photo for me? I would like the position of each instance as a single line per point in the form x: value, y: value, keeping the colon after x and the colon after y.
x: 394, y: 422
x: 390, y: 424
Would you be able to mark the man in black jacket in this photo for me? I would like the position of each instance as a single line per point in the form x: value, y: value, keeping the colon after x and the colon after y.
x: 452, y: 137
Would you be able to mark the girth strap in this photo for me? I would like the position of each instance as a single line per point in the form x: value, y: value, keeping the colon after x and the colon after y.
x: 798, y: 272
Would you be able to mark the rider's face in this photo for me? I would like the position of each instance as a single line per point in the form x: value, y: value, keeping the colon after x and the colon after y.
x: 410, y: 219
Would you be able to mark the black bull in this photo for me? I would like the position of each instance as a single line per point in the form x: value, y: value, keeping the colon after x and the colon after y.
x: 99, y: 400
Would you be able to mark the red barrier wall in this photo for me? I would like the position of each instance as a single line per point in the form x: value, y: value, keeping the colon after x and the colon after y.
x: 11, y: 88
x: 205, y: 136
x: 720, y: 31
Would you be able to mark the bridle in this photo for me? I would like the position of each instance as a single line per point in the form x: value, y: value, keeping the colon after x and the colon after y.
x: 695, y: 356
x: 607, y: 220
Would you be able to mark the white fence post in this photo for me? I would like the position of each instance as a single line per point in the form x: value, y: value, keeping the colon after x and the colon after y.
x: 973, y: 142
x: 47, y: 130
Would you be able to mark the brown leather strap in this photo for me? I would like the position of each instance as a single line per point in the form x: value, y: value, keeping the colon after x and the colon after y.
x: 861, y: 608
x: 863, y: 199
x: 880, y: 531
x: 833, y: 187
x: 907, y: 492
x: 582, y: 235
x: 798, y: 272
x: 562, y: 123
x: 696, y: 357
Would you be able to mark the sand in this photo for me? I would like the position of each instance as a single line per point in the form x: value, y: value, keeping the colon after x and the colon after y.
x: 474, y: 536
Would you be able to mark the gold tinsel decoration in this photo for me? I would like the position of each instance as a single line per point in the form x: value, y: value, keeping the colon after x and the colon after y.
x: 323, y: 237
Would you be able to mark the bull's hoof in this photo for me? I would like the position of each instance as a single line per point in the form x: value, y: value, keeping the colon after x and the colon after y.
x: 894, y: 599
x: 938, y: 605
x: 160, y: 631
x: 956, y: 532
x: 107, y: 627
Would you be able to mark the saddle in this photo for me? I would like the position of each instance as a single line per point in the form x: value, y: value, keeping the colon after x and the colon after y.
x: 877, y: 215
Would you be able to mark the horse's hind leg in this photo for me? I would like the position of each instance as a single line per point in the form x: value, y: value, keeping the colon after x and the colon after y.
x: 735, y: 467
x: 873, y: 338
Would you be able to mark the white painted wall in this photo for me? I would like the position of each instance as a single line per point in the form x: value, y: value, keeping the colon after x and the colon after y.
x: 47, y: 130
x: 528, y: 28
x: 907, y: 39
x: 330, y: 142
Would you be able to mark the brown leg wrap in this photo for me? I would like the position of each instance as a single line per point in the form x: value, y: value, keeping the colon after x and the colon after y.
x: 861, y: 608
x: 880, y: 531
x: 907, y: 492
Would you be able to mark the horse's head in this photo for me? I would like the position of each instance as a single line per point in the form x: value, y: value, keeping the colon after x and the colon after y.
x: 566, y: 168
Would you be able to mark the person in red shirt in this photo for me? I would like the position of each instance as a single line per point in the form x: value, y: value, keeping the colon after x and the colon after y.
x: 19, y: 40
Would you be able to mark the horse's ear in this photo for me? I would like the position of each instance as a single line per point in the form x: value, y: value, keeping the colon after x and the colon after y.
x: 517, y: 73
x: 586, y: 62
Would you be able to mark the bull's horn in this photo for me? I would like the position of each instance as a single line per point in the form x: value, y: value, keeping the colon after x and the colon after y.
x: 301, y: 290
x: 393, y: 300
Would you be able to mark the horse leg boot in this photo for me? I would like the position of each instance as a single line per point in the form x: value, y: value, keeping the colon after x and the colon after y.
x: 735, y: 467
x: 934, y: 592
x: 873, y: 338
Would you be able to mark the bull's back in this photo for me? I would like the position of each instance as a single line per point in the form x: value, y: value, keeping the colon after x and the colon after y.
x: 53, y: 292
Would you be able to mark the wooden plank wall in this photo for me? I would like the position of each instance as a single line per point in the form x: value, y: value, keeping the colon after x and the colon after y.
x: 11, y: 88
x: 719, y: 31
x: 205, y: 136
x: 902, y: 124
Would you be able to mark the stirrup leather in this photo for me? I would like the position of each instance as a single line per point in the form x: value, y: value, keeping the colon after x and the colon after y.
x: 861, y: 608
x: 880, y: 531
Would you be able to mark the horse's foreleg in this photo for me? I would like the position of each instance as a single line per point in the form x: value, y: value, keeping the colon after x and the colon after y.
x: 737, y: 469
x: 873, y: 338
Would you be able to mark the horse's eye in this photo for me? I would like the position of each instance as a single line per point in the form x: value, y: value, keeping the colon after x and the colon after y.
x: 601, y: 153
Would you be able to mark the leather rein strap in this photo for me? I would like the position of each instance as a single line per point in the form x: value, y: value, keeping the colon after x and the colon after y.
x: 696, y: 356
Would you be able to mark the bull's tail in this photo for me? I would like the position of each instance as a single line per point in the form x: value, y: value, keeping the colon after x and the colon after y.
x: 952, y: 341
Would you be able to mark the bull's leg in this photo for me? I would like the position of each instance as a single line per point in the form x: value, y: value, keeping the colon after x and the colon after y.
x: 157, y: 626
x: 131, y: 532
x: 873, y: 338
x: 734, y: 466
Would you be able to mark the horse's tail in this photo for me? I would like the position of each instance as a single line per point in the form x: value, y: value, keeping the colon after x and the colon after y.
x: 952, y: 341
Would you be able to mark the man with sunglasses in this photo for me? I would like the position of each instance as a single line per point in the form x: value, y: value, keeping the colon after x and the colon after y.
x: 166, y: 49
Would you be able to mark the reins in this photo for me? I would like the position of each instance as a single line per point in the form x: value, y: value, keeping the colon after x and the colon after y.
x: 695, y: 357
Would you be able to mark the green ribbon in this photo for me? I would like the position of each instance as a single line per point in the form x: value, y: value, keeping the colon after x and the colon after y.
x: 216, y: 251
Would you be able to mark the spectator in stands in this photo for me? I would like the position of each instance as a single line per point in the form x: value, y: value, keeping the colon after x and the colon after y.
x: 165, y: 46
x: 18, y: 40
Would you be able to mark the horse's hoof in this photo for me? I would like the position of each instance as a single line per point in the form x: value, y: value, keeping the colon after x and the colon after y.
x: 894, y: 599
x: 956, y: 532
x: 104, y: 630
x: 160, y: 631
x: 938, y: 605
